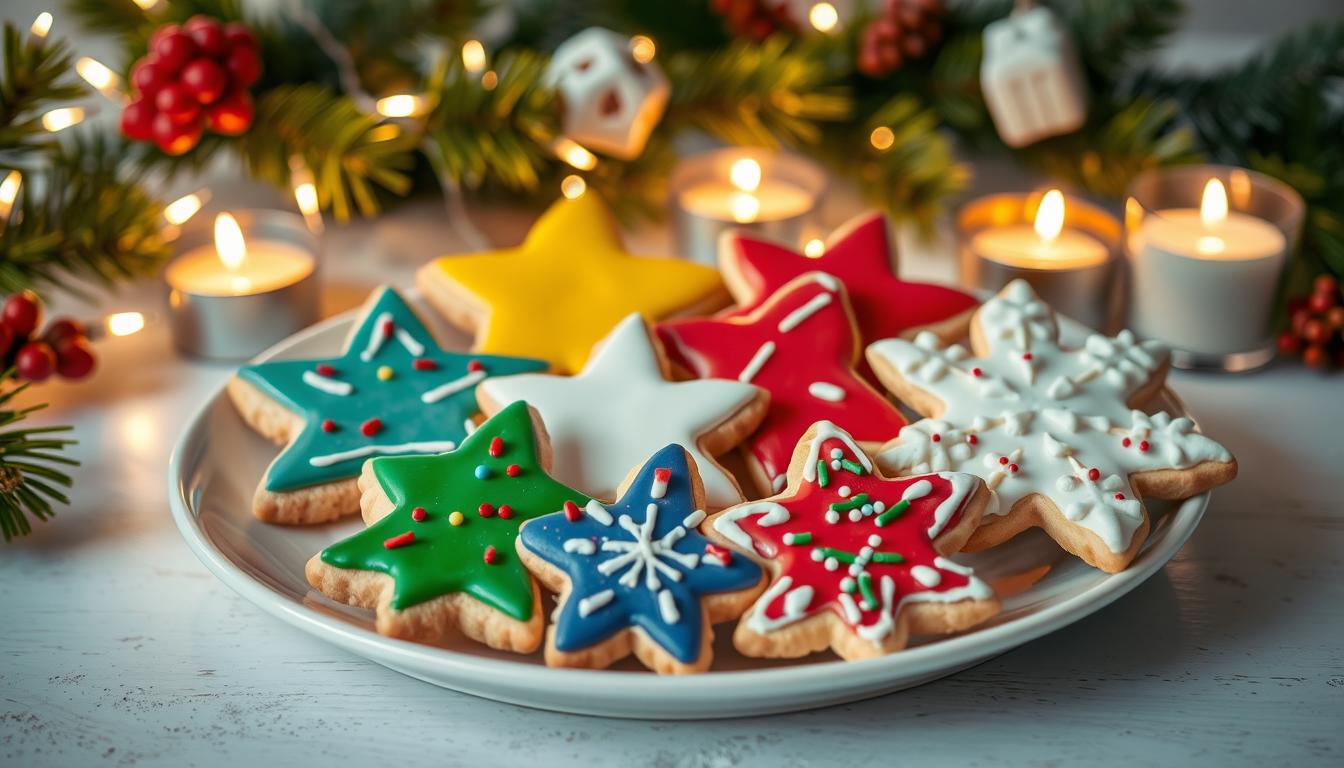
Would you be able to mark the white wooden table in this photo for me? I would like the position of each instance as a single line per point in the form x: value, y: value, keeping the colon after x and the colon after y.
x: 118, y: 647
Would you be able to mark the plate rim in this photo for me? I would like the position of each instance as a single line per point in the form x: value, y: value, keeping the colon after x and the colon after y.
x: 952, y: 653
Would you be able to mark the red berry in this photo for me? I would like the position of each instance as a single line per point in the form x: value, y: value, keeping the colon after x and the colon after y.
x: 1335, y: 317
x: 6, y: 339
x: 1316, y: 331
x: 173, y: 138
x: 1320, y: 303
x: 231, y: 115
x: 137, y: 120
x: 205, y: 79
x: 1289, y: 343
x: 74, y: 357
x: 237, y: 35
x: 243, y: 65
x: 35, y: 361
x: 22, y: 313
x: 162, y: 32
x: 1326, y: 285
x: 174, y: 50
x: 1299, y: 319
x: 148, y: 75
x: 207, y: 34
x: 177, y: 102
x: 1313, y: 356
x: 62, y: 328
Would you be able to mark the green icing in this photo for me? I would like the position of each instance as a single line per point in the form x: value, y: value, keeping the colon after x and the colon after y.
x: 445, y: 558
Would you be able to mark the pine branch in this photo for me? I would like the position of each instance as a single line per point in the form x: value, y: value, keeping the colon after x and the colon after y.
x: 36, y: 74
x: 29, y: 483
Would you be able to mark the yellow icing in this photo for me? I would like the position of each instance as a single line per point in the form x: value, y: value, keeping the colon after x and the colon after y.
x: 568, y: 284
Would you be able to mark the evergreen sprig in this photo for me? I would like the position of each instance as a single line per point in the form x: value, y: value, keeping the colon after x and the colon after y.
x: 30, y: 461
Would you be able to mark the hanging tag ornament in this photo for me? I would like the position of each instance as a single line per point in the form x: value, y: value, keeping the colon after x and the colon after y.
x: 612, y: 91
x: 1031, y: 78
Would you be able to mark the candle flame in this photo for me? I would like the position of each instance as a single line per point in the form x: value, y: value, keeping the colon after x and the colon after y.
x: 124, y: 323
x: 229, y: 243
x: 823, y: 17
x: 42, y: 24
x: 746, y: 207
x: 1213, y: 205
x: 1050, y: 216
x: 745, y: 174
x: 97, y: 74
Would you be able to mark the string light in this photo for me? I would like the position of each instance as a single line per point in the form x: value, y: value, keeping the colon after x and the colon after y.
x: 305, y: 193
x: 97, y: 74
x: 642, y: 48
x: 573, y: 186
x: 882, y: 138
x: 124, y: 323
x: 490, y: 79
x: 814, y: 248
x: 574, y: 154
x: 823, y: 17
x: 385, y: 132
x: 473, y: 56
x: 62, y: 118
x: 41, y: 25
x: 146, y: 5
x: 9, y: 192
x: 400, y: 105
x: 183, y: 208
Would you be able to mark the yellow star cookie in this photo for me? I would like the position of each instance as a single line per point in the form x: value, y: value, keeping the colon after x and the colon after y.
x: 564, y: 288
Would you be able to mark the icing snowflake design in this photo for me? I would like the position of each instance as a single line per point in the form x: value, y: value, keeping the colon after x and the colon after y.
x: 852, y: 542
x: 392, y: 391
x: 1033, y: 418
x: 640, y: 562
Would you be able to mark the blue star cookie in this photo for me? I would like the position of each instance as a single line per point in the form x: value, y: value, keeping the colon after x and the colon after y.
x: 392, y: 391
x: 638, y: 569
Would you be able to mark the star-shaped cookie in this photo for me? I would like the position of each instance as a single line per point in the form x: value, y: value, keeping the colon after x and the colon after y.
x: 622, y: 406
x: 563, y: 289
x: 438, y: 555
x: 856, y: 561
x: 637, y: 576
x: 801, y: 347
x: 859, y: 255
x: 1050, y: 429
x: 392, y: 390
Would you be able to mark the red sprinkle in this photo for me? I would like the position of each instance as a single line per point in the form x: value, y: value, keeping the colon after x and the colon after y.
x: 972, y: 439
x: 977, y: 372
x: 371, y: 427
x: 1012, y: 468
x: 513, y: 470
x: 1094, y: 474
x: 1119, y: 497
x: 1126, y: 442
x: 418, y: 514
x: 491, y: 555
x: 388, y: 327
x: 486, y: 510
x: 399, y: 540
x: 1143, y: 446
x: 1003, y: 459
x: 937, y: 438
x: 475, y: 365
x: 329, y: 426
x: 1026, y: 356
x: 572, y: 512
x: 496, y: 446
x: 505, y: 512
x: 325, y: 370
x: 714, y: 550
x: 424, y: 364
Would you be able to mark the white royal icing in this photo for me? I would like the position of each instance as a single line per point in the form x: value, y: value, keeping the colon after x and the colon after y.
x: 823, y: 390
x: 429, y: 446
x: 328, y: 385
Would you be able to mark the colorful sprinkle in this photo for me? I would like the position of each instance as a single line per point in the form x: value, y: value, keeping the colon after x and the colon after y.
x: 456, y: 518
x: 896, y: 511
x: 714, y: 550
x: 400, y: 540
x: 888, y: 557
x: 1126, y: 442
x: 844, y: 506
x: 972, y: 439
x: 1094, y: 474
x: 486, y: 510
x: 329, y: 426
x: 475, y: 365
x: 388, y: 328
x: 797, y: 538
x: 977, y: 372
x: 1143, y: 446
x: 1012, y: 469
x: 1119, y: 497
x: 573, y: 512
x: 823, y: 475
x: 513, y: 470
x: 325, y: 370
x: 496, y: 446
x: 424, y: 364
x: 1003, y: 459
x: 853, y: 467
x: 482, y: 472
x: 1026, y: 356
x: 505, y: 512
x: 833, y: 553
x: 937, y: 438
x: 418, y: 514
x: 491, y: 555
x: 371, y: 427
x: 866, y: 587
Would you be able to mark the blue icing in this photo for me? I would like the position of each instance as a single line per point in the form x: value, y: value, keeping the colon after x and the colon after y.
x: 637, y: 604
x: 396, y: 402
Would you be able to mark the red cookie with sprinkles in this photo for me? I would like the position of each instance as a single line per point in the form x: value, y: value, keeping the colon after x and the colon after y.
x: 856, y: 562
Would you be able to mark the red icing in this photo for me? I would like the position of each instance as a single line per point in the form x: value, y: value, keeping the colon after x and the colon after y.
x: 399, y: 540
x: 573, y: 513
x: 371, y: 427
x: 424, y: 364
x: 822, y: 348
x: 329, y: 426
x: 418, y: 514
x: 513, y: 470
x: 907, y: 535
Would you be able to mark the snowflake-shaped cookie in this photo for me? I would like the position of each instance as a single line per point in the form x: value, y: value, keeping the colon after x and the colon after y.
x: 1051, y: 430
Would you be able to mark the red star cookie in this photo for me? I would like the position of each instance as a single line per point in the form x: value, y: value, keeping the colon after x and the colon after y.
x: 859, y: 255
x: 857, y: 561
x: 801, y: 347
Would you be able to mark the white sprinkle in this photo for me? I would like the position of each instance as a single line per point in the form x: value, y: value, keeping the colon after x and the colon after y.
x: 469, y: 426
x: 377, y: 337
x: 797, y: 316
x: 836, y: 453
x: 844, y: 491
x: 408, y: 341
x: 832, y: 516
x: 818, y: 555
x: 431, y: 446
x: 582, y: 546
x: 330, y: 386
x: 831, y: 564
x: 855, y: 515
x: 874, y: 540
x: 594, y: 601
x: 826, y: 391
x: 667, y: 606
x: 926, y: 575
x: 694, y: 519
x: 598, y: 512
x: 453, y: 387
x: 757, y: 361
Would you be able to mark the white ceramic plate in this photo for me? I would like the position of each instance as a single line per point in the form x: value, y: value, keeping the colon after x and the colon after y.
x: 218, y: 461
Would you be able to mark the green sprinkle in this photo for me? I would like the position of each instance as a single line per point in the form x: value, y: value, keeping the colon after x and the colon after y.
x: 893, y: 512
x: 823, y: 476
x: 852, y: 467
x: 797, y: 538
x: 854, y: 503
x: 866, y: 587
x: 838, y: 554
x: 888, y: 557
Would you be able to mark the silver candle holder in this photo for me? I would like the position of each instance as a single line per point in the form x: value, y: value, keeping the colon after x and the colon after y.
x: 238, y: 312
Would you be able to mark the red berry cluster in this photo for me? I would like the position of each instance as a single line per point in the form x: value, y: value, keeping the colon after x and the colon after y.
x: 754, y: 19
x: 903, y: 31
x: 194, y: 76
x: 62, y: 348
x: 1317, y: 330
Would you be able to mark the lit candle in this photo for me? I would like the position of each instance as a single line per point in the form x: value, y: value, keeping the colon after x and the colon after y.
x: 1204, y: 277
x: 771, y: 195
x: 1066, y: 251
x: 245, y: 288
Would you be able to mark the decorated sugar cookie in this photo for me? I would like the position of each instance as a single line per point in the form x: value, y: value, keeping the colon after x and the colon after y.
x: 392, y: 391
x: 438, y: 556
x: 637, y: 576
x: 622, y: 405
x: 858, y: 254
x: 856, y: 561
x: 801, y: 347
x: 1051, y: 430
x: 564, y: 288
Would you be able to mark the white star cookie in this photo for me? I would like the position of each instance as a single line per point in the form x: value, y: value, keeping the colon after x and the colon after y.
x: 622, y: 408
x: 1052, y: 431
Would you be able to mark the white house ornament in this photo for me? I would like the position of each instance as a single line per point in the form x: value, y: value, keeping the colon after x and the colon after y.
x: 613, y: 93
x: 1031, y: 78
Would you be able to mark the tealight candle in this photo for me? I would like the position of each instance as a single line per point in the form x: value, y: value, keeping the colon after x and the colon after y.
x: 1204, y: 275
x: 249, y: 286
x: 769, y: 194
x: 1066, y: 250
